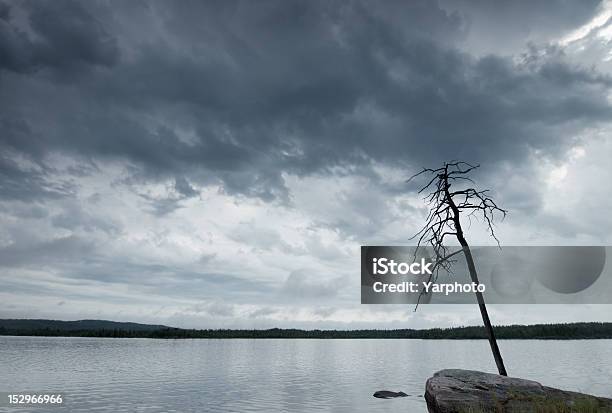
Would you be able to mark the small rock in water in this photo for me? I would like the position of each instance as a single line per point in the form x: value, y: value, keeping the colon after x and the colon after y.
x: 386, y: 394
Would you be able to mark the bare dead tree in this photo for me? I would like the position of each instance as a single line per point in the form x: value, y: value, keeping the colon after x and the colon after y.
x: 444, y: 220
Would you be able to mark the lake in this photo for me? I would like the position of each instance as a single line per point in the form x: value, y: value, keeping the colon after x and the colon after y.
x: 267, y: 375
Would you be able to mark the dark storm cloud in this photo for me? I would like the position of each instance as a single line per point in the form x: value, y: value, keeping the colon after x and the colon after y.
x: 236, y: 93
x: 64, y: 37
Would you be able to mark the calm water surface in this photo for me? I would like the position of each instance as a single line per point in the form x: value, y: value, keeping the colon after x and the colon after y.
x: 143, y: 375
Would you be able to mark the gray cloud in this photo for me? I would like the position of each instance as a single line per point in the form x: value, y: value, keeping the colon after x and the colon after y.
x: 184, y: 188
x: 310, y: 284
x: 505, y: 26
x: 29, y: 184
x: 59, y: 250
x: 261, y: 138
x: 74, y: 218
x: 384, y: 84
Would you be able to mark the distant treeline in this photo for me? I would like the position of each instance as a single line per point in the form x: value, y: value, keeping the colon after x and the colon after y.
x: 102, y: 328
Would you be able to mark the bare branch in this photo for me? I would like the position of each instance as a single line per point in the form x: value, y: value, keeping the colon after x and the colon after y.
x: 446, y: 206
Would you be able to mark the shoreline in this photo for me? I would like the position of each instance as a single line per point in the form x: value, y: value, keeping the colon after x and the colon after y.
x: 111, y: 329
x: 300, y: 338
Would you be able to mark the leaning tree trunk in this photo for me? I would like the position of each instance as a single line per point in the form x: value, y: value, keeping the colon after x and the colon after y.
x: 474, y: 276
x: 483, y: 310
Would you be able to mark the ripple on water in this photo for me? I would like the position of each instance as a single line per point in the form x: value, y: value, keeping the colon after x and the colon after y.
x: 142, y: 375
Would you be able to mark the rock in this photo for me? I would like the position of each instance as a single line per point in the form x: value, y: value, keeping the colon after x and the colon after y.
x: 466, y: 391
x: 386, y: 394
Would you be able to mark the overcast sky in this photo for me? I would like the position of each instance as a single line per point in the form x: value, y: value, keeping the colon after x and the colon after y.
x: 218, y: 164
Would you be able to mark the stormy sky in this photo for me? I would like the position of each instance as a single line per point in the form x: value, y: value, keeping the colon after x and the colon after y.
x: 218, y: 164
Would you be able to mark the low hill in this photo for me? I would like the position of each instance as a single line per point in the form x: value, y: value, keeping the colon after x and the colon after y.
x: 74, y: 326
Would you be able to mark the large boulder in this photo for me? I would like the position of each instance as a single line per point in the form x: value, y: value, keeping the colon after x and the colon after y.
x: 467, y: 391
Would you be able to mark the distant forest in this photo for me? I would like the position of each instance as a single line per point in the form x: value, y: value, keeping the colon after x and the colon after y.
x: 102, y: 328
